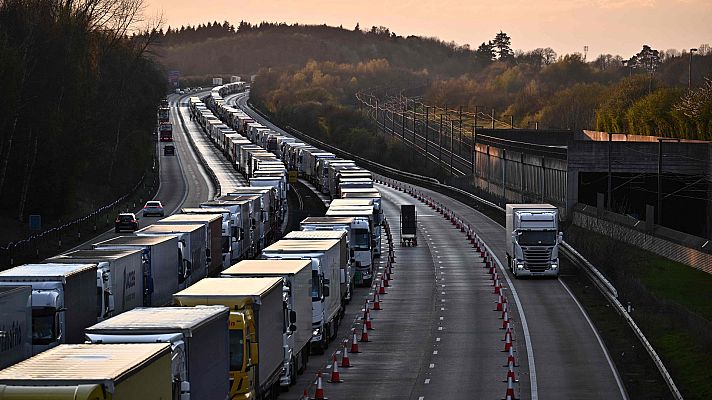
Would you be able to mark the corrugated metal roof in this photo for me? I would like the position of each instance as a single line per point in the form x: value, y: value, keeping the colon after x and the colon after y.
x: 155, y: 318
x: 46, y: 270
x: 351, y: 202
x: 327, y: 220
x: 94, y: 254
x: 306, y: 245
x: 271, y: 267
x: 84, y: 362
x: 209, y: 287
x: 362, y: 212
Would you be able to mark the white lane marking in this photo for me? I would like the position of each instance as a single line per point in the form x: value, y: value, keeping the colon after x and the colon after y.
x: 437, y: 339
x: 600, y: 342
x: 440, y: 328
x: 432, y: 366
x: 427, y: 381
x: 441, y: 318
x: 525, y: 327
x: 435, y: 352
x: 421, y: 398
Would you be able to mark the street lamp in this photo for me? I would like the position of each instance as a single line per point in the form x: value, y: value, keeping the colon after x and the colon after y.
x: 689, y: 70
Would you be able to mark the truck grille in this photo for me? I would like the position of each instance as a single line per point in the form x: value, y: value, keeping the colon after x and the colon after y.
x: 537, y: 259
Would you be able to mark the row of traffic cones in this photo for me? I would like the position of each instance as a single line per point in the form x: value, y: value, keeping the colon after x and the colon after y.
x: 351, y: 345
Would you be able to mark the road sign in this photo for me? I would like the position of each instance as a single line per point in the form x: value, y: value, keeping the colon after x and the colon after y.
x: 293, y: 176
x: 35, y: 222
x: 174, y: 78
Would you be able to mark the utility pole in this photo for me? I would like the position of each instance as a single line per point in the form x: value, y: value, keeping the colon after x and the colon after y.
x: 427, y: 125
x: 403, y: 120
x: 493, y: 118
x: 440, y: 141
x: 610, y: 191
x: 452, y: 139
x: 459, y: 145
x: 689, y: 70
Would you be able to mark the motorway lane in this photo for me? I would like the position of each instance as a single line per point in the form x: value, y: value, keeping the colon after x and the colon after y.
x: 571, y: 361
x: 183, y: 182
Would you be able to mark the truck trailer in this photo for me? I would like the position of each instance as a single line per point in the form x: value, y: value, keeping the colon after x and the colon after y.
x: 297, y: 275
x: 161, y: 264
x: 92, y: 372
x: 199, y: 344
x: 255, y: 330
x: 533, y: 239
x: 213, y: 224
x: 191, y: 247
x: 15, y: 324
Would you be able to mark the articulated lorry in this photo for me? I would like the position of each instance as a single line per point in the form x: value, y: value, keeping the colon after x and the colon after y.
x: 358, y: 236
x: 161, y: 264
x: 533, y: 239
x: 92, y: 372
x: 191, y: 247
x: 346, y: 280
x: 118, y: 278
x: 15, y: 324
x: 240, y: 215
x: 255, y: 330
x: 199, y: 344
x: 227, y: 240
x: 363, y: 238
x: 327, y: 308
x: 64, y: 300
x: 356, y: 203
x: 213, y: 238
x: 297, y: 275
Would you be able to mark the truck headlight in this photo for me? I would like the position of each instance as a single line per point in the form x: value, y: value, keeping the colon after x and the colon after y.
x: 554, y: 266
x: 520, y: 266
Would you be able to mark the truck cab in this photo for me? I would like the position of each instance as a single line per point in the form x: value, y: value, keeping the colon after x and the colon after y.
x: 533, y: 239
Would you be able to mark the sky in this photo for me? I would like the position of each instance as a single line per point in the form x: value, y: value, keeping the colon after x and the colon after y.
x: 605, y: 26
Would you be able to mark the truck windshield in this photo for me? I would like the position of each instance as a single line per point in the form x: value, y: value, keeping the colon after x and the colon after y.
x: 237, y: 344
x: 537, y: 238
x: 362, y: 239
x: 316, y: 286
x: 43, y: 326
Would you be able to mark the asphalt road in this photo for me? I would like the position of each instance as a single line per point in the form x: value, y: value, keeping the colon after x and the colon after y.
x: 559, y: 352
x: 183, y: 181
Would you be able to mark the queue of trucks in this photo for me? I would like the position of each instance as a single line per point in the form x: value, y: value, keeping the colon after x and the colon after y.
x: 160, y: 314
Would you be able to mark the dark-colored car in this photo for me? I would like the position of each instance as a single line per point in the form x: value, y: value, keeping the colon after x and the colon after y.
x: 169, y: 150
x: 126, y: 221
x: 153, y: 207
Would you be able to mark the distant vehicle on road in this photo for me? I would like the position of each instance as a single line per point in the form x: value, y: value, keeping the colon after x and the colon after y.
x: 153, y: 207
x: 165, y: 130
x: 409, y: 225
x: 169, y: 150
x: 126, y: 221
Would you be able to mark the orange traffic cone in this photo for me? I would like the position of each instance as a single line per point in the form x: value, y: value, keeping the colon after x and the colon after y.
x: 335, y: 375
x: 499, y: 302
x: 367, y: 319
x: 319, y: 393
x: 345, y: 362
x: 381, y: 288
x: 376, y: 302
x: 505, y: 320
x: 305, y: 396
x: 385, y: 278
x: 497, y: 286
x: 509, y: 395
x: 507, y: 343
x: 354, y: 342
x: 364, y: 334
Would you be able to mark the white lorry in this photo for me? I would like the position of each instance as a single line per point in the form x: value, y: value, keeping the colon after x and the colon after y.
x: 533, y: 239
x: 15, y: 324
x: 161, y: 264
x: 327, y: 308
x: 228, y: 241
x: 118, y: 278
x: 191, y: 248
x: 64, y: 301
x: 296, y: 293
x: 363, y: 240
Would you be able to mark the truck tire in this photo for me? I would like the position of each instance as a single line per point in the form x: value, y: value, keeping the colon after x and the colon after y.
x: 293, y: 375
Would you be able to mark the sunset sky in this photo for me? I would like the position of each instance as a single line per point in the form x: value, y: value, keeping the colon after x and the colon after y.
x: 605, y: 26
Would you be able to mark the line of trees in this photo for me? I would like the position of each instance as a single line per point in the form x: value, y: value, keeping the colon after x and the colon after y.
x: 79, y: 100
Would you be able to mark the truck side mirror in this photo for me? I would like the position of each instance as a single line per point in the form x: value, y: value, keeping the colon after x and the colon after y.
x: 352, y: 253
x: 292, y: 328
x: 561, y: 237
x: 326, y: 291
x: 293, y: 317
x: 326, y: 281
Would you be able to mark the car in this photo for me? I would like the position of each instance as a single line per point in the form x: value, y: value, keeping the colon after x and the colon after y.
x: 126, y: 221
x: 153, y: 207
x: 169, y: 150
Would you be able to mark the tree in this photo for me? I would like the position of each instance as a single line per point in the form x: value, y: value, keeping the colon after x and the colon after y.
x: 357, y: 28
x: 647, y: 59
x: 485, y: 53
x: 608, y: 61
x: 502, y: 42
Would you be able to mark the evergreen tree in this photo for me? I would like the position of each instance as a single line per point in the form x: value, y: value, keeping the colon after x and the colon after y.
x: 485, y: 53
x: 502, y: 42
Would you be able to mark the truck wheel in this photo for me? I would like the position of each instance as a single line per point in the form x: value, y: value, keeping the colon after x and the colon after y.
x: 293, y: 374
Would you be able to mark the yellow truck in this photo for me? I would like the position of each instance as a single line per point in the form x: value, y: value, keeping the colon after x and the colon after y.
x: 256, y: 330
x: 92, y: 372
